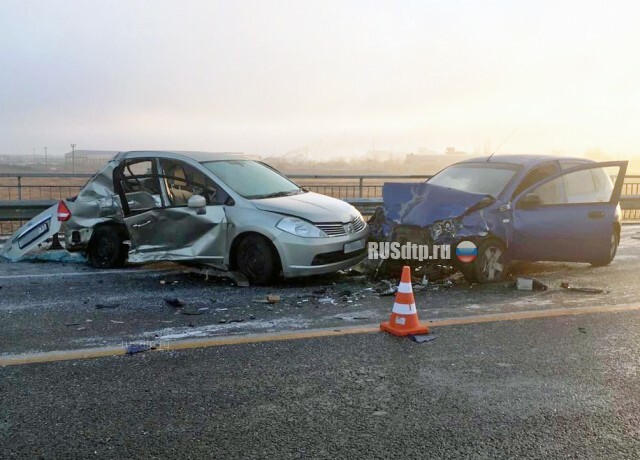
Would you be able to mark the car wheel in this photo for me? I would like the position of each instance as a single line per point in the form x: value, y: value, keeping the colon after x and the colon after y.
x: 613, y: 249
x: 256, y: 259
x: 491, y: 263
x: 106, y: 249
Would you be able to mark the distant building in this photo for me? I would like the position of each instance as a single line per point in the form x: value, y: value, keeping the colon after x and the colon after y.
x: 453, y: 151
x: 90, y: 157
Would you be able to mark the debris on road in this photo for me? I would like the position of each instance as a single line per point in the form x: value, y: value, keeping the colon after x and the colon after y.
x: 329, y: 300
x: 163, y: 282
x: 271, y: 298
x: 423, y: 338
x: 587, y: 290
x: 174, y: 302
x: 530, y: 284
x: 116, y: 322
x: 104, y: 306
x: 72, y: 324
x: 138, y: 348
x: 191, y: 312
x: 387, y: 289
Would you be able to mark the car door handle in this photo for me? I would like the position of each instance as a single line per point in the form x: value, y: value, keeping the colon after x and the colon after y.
x: 141, y: 225
x: 596, y: 215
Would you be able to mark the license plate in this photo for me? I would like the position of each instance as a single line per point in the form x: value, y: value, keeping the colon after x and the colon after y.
x: 353, y: 246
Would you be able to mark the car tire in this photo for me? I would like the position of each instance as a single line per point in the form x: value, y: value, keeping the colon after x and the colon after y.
x: 107, y: 248
x: 490, y: 265
x: 257, y: 260
x: 613, y: 249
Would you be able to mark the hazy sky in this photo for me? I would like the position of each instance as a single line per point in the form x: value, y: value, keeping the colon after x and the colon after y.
x: 269, y: 76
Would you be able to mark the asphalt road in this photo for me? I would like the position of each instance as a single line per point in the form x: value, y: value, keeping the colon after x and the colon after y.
x: 554, y: 387
x: 54, y: 306
x: 548, y: 388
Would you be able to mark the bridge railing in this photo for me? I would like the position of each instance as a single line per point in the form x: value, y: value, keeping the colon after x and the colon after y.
x: 22, y: 194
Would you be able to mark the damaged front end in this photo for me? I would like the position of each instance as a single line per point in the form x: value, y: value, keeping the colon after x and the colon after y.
x: 426, y: 214
x: 94, y: 205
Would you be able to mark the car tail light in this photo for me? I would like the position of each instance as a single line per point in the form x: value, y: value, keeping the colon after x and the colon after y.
x: 63, y: 212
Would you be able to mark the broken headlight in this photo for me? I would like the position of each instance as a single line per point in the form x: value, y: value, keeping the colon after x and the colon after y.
x: 445, y: 227
x: 436, y: 231
x: 300, y: 227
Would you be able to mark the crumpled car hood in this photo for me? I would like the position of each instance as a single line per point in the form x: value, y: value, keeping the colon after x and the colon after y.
x: 423, y: 204
x: 310, y: 206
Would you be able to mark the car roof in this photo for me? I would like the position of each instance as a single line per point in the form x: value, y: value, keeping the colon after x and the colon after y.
x: 524, y: 160
x: 180, y: 155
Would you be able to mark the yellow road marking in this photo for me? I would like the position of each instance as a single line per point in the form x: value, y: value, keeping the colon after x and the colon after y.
x: 88, y: 353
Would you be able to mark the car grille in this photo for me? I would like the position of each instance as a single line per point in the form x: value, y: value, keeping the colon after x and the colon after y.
x: 332, y: 229
x: 356, y: 224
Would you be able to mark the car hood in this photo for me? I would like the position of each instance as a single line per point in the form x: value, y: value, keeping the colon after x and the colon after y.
x: 423, y: 204
x: 310, y: 206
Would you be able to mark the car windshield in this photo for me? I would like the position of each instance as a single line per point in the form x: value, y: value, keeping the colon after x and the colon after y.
x: 251, y: 179
x: 483, y: 178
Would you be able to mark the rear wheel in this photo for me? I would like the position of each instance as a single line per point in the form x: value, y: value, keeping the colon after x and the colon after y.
x: 107, y: 248
x: 613, y: 249
x: 256, y: 259
x: 490, y: 265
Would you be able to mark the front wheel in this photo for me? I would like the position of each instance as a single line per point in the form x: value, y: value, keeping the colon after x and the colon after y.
x: 490, y: 265
x: 257, y: 260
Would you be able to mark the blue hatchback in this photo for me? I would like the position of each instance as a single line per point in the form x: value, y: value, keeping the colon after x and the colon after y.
x: 512, y: 207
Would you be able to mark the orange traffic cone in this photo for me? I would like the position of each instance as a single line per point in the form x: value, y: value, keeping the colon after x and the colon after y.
x: 404, y: 316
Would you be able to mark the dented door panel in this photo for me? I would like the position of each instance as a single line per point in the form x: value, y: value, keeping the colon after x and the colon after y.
x: 178, y: 234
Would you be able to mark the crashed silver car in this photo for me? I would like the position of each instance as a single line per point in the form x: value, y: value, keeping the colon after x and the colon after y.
x: 219, y: 210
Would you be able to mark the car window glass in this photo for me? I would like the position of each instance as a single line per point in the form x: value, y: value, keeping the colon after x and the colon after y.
x: 182, y: 181
x: 484, y: 178
x: 534, y: 176
x: 251, y: 179
x: 139, y: 183
x: 586, y: 186
x: 568, y: 164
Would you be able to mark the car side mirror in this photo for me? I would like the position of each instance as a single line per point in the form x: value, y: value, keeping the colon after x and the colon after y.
x: 530, y: 201
x: 198, y: 203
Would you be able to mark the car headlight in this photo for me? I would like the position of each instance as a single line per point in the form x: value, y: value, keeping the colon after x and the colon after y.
x: 358, y: 213
x: 300, y: 227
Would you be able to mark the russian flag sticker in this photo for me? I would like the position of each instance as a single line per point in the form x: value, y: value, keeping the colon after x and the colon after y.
x: 466, y: 251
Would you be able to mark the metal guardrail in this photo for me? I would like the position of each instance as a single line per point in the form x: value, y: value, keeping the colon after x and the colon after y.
x: 27, y: 198
x: 16, y: 210
x: 25, y: 186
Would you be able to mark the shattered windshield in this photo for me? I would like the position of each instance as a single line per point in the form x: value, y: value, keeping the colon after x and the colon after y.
x: 483, y: 178
x: 251, y: 179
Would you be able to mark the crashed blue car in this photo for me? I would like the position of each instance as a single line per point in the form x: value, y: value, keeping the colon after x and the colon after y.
x: 511, y: 207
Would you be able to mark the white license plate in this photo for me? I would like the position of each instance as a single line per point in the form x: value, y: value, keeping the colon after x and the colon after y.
x: 353, y: 246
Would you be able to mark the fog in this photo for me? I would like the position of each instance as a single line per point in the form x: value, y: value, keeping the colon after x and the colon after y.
x: 268, y: 77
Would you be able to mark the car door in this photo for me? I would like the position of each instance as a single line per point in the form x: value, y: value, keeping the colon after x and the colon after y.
x: 569, y: 216
x: 163, y: 227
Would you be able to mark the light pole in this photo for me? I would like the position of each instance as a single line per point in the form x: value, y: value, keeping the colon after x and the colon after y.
x: 45, y: 156
x: 73, y: 158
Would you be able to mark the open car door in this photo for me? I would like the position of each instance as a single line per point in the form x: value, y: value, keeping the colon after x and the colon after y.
x: 32, y: 234
x: 570, y: 216
x: 161, y: 223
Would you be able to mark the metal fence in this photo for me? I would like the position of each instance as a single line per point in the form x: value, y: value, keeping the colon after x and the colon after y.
x: 360, y: 189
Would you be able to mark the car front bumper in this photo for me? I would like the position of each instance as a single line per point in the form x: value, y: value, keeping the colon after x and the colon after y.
x: 312, y: 256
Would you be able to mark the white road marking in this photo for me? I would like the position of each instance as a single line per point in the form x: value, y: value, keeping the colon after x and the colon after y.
x: 102, y: 272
